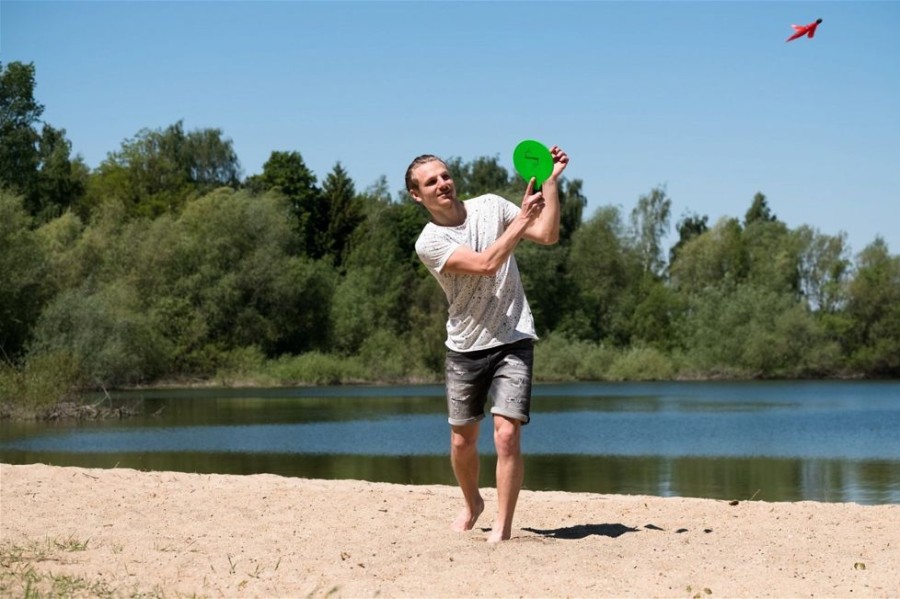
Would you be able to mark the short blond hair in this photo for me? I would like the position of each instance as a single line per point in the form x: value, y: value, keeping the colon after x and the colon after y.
x: 411, y: 183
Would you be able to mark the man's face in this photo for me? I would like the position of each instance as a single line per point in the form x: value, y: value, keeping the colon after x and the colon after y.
x: 435, y: 184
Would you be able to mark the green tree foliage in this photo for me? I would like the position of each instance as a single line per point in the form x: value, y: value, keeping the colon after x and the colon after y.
x: 286, y: 173
x: 62, y: 180
x: 23, y: 290
x: 708, y: 260
x: 176, y: 294
x: 160, y: 170
x: 650, y: 223
x: 874, y: 310
x: 226, y: 276
x: 486, y: 175
x: 745, y: 330
x: 382, y: 269
x: 603, y: 269
x: 824, y: 269
x: 19, y: 112
x: 657, y: 311
x: 690, y: 226
x: 759, y: 211
x: 165, y: 268
x: 773, y: 255
x: 572, y: 203
x: 35, y: 163
x: 345, y: 212
x: 111, y: 339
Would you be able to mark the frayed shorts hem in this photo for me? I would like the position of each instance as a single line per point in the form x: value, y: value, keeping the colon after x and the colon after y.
x: 523, y: 418
x: 495, y: 411
x: 455, y: 422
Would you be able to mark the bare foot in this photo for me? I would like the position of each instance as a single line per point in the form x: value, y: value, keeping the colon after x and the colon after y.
x: 497, y: 535
x: 467, y: 518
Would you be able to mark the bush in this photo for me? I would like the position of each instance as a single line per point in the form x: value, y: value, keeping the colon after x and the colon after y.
x: 112, y: 341
x: 642, y: 364
x: 315, y: 368
x: 560, y: 358
x: 42, y: 382
x: 242, y: 366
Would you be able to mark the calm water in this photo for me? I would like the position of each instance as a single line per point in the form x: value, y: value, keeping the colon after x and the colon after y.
x: 774, y: 441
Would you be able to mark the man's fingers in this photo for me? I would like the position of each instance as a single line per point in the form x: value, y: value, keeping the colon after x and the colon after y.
x: 534, y: 204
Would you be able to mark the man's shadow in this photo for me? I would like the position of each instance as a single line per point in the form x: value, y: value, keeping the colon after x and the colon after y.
x: 581, y: 531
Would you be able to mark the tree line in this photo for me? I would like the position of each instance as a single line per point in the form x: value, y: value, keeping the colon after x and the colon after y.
x: 164, y: 263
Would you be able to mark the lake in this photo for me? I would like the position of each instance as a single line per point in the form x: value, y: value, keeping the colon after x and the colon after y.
x: 771, y: 441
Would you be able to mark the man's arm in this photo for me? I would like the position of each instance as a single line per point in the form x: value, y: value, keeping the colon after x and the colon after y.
x: 465, y: 260
x: 545, y: 228
x: 538, y: 221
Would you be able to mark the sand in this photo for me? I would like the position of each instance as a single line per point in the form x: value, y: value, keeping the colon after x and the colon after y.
x: 118, y: 532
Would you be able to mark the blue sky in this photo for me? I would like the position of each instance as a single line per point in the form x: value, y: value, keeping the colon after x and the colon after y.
x: 705, y: 98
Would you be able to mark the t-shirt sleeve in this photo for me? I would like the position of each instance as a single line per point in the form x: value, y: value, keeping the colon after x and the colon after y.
x: 508, y: 210
x: 434, y: 249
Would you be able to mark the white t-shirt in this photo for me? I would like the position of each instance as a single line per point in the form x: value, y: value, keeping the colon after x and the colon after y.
x: 484, y: 311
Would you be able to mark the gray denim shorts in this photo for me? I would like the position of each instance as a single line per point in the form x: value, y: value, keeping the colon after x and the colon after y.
x: 503, y: 373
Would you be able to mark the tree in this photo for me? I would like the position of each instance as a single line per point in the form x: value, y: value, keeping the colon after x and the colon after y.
x: 746, y: 330
x: 824, y: 269
x: 650, y: 223
x: 759, y: 211
x: 603, y: 273
x: 543, y: 268
x: 286, y: 173
x: 486, y: 176
x: 382, y: 272
x: 874, y: 308
x: 773, y: 255
x: 344, y: 212
x: 572, y: 203
x: 715, y: 258
x: 211, y: 159
x: 61, y: 180
x: 35, y: 164
x: 22, y: 276
x: 19, y: 112
x: 160, y: 170
x: 690, y: 226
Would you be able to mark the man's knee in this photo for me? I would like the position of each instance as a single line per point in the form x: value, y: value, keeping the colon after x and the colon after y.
x: 507, y: 436
x: 463, y: 438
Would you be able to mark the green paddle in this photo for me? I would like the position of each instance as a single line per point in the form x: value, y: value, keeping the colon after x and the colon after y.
x: 532, y: 159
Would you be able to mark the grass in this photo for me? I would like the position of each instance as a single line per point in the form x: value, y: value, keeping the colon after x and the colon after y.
x: 27, y: 571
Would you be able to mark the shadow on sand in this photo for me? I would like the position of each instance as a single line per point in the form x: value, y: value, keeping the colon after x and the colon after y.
x: 581, y: 531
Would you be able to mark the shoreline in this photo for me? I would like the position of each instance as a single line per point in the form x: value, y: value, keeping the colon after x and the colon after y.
x: 122, y: 531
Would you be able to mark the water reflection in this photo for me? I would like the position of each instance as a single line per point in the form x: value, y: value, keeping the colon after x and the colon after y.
x: 767, y: 441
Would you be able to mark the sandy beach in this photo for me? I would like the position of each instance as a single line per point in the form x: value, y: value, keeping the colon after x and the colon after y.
x: 120, y: 532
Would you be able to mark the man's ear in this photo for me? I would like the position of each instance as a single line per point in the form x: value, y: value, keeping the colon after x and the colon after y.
x: 413, y: 195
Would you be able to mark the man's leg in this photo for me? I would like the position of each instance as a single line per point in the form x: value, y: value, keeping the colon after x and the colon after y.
x: 510, y: 474
x: 464, y: 458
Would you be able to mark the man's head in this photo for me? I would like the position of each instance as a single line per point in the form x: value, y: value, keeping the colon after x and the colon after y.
x: 428, y: 179
x: 412, y: 184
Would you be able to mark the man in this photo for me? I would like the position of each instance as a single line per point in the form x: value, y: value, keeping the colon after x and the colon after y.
x: 468, y: 247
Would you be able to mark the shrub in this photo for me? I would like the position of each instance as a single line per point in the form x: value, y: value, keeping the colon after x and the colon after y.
x: 42, y: 382
x: 642, y: 364
x: 316, y: 368
x: 560, y: 358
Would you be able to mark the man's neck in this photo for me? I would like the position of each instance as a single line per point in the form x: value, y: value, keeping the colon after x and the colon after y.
x: 452, y: 217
